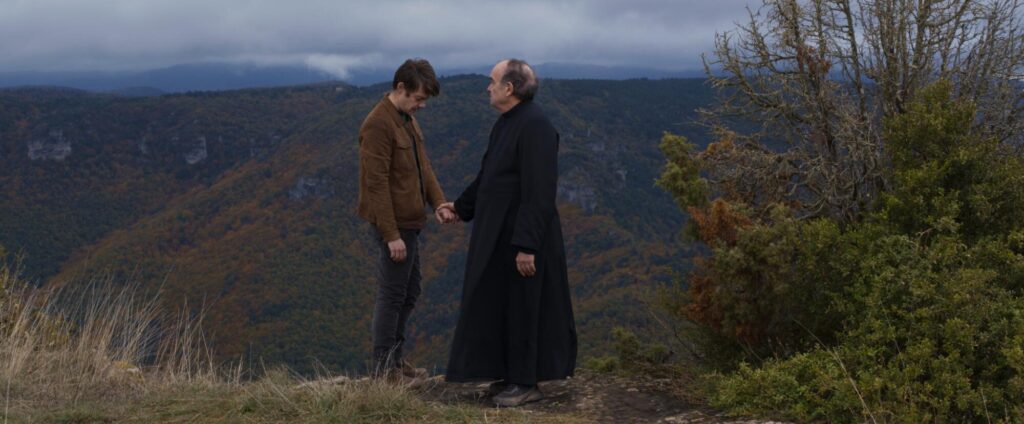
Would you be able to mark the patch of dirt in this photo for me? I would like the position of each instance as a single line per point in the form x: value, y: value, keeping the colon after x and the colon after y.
x: 602, y: 397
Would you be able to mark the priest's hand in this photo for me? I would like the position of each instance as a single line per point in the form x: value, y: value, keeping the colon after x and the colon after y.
x: 397, y: 250
x: 446, y: 213
x: 525, y: 264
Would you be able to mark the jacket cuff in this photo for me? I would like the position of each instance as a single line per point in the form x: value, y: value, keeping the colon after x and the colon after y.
x: 389, y: 235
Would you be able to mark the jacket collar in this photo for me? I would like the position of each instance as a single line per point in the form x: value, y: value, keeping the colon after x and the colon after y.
x: 396, y: 115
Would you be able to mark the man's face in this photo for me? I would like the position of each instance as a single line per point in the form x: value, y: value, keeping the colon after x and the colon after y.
x: 410, y: 102
x: 501, y: 94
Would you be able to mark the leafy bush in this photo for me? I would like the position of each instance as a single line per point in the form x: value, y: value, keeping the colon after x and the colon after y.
x: 913, y: 314
x: 933, y: 334
x: 770, y: 278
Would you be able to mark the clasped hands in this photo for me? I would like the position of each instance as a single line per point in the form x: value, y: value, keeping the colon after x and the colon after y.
x: 446, y: 214
x: 525, y: 263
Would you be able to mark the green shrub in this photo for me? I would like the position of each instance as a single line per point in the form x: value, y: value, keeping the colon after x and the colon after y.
x: 632, y: 356
x: 805, y: 388
x: 913, y: 314
x: 933, y: 335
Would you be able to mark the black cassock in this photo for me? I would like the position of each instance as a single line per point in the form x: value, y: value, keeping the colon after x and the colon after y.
x: 511, y: 327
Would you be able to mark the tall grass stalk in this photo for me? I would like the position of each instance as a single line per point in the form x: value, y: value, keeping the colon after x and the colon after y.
x: 95, y: 340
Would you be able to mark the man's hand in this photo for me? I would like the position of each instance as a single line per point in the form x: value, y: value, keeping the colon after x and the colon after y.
x: 525, y: 264
x: 446, y: 213
x: 397, y: 248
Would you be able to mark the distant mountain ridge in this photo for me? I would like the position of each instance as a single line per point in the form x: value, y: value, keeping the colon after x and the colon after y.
x: 240, y: 203
x: 232, y: 76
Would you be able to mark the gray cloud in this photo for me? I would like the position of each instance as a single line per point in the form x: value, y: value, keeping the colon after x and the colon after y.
x: 338, y: 36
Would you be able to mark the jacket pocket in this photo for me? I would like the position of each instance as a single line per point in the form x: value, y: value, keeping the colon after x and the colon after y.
x: 402, y: 141
x: 403, y: 153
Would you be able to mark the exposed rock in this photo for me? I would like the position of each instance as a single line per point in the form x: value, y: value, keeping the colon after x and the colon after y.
x: 578, y: 193
x: 54, y: 147
x: 310, y: 186
x: 198, y: 153
x: 261, y: 147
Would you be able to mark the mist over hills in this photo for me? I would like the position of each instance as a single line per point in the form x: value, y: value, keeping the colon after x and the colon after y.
x: 240, y: 203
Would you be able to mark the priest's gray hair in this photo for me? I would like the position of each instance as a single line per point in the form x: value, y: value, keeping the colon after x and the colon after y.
x: 524, y: 80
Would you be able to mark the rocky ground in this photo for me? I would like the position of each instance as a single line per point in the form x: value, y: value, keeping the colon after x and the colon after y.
x: 602, y: 398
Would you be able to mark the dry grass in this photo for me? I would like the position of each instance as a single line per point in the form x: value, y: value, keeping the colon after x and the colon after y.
x: 99, y: 354
x: 94, y: 342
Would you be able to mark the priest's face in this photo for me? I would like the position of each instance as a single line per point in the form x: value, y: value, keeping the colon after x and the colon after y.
x: 501, y: 93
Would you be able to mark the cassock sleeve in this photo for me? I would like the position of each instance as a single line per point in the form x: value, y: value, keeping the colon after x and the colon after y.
x: 538, y: 178
x: 465, y: 205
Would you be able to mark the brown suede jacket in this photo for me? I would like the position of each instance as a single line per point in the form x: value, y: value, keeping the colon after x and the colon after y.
x: 389, y: 184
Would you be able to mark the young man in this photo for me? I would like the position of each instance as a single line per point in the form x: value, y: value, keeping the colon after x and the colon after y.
x: 396, y: 182
x: 515, y: 320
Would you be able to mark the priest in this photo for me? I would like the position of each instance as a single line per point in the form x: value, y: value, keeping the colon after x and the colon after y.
x: 515, y: 323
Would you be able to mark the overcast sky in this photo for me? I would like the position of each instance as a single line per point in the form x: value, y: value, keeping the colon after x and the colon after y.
x: 340, y: 35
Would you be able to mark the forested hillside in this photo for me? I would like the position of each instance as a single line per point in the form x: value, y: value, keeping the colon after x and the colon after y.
x: 241, y: 204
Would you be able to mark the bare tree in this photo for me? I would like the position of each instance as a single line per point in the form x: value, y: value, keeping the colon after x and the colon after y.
x: 820, y: 77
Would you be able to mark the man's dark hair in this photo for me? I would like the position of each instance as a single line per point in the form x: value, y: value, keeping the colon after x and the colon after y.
x: 416, y: 73
x: 524, y: 80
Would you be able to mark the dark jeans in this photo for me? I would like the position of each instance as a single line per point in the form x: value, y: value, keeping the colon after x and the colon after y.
x: 398, y: 286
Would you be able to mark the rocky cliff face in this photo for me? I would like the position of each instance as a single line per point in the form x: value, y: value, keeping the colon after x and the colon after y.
x: 311, y: 186
x: 198, y: 153
x: 54, y: 147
